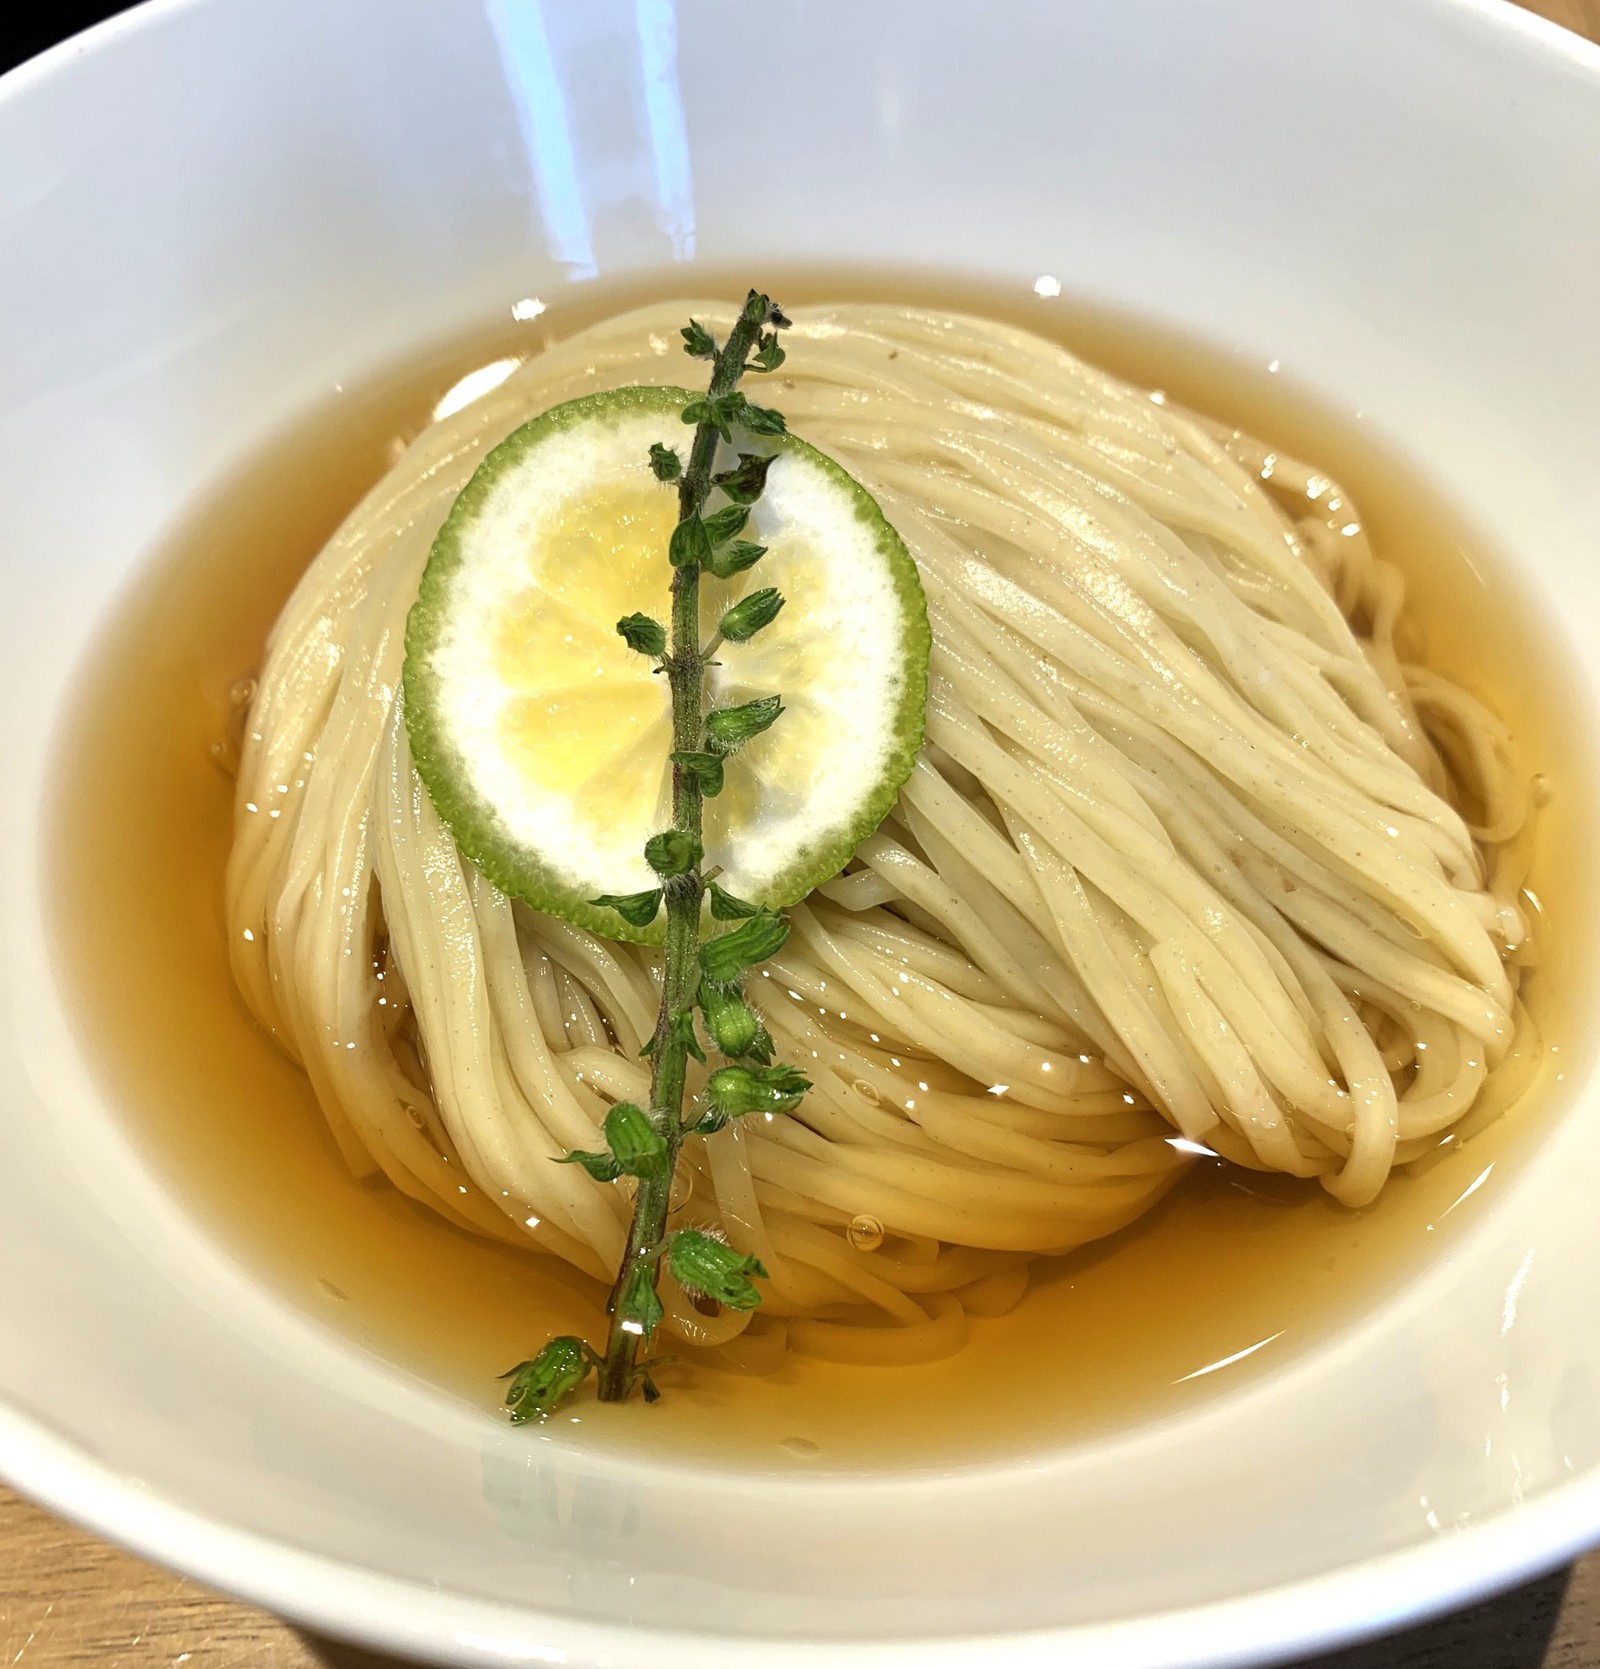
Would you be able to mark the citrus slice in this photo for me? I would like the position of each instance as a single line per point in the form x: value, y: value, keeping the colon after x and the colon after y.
x: 544, y: 740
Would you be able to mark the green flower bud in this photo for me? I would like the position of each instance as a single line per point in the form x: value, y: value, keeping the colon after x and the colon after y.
x: 734, y: 1091
x: 689, y: 544
x: 672, y: 852
x: 554, y: 1374
x: 751, y: 614
x: 698, y: 342
x: 729, y: 728
x: 745, y: 483
x: 639, y: 1305
x: 726, y: 522
x: 733, y: 558
x: 637, y: 1146
x: 721, y: 413
x: 729, y: 1019
x: 761, y: 420
x: 705, y: 1265
x: 724, y: 958
x: 665, y: 464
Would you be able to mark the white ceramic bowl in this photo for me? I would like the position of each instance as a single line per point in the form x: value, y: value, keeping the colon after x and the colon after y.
x: 211, y: 210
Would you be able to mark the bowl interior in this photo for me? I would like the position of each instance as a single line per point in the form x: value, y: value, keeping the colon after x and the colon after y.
x: 297, y: 192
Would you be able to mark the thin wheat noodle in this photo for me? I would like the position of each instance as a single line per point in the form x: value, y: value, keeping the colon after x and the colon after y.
x: 1192, y: 856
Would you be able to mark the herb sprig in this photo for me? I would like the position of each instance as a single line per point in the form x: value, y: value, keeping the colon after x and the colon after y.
x: 701, y: 979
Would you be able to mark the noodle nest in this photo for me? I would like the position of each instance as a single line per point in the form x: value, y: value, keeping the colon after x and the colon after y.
x: 1191, y: 862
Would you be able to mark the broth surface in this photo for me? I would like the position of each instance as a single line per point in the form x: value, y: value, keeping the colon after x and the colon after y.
x: 1232, y: 1276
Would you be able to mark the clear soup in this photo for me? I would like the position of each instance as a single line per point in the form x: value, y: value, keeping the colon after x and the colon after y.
x: 1231, y: 1277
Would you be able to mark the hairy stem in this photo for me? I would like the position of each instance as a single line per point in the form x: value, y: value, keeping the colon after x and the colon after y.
x: 685, y: 666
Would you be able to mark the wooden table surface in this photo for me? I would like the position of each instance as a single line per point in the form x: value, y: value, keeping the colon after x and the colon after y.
x: 69, y: 1600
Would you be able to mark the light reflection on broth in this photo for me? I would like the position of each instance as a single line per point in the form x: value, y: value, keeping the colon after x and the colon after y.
x: 1228, y: 1278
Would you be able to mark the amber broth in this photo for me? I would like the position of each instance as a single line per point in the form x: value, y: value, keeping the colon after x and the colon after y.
x: 1233, y: 1276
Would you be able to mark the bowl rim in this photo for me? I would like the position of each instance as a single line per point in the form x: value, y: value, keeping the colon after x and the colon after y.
x: 1342, y: 1606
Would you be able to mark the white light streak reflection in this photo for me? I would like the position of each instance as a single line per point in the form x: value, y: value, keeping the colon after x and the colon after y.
x: 656, y: 24
x: 524, y: 42
x: 1467, y: 1192
x: 474, y: 386
x: 1508, y: 1309
x: 1228, y: 1361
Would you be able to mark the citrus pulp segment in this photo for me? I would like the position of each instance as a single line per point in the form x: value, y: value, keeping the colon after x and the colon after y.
x: 544, y: 740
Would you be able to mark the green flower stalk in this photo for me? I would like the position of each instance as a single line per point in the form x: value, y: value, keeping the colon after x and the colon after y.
x: 699, y: 978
